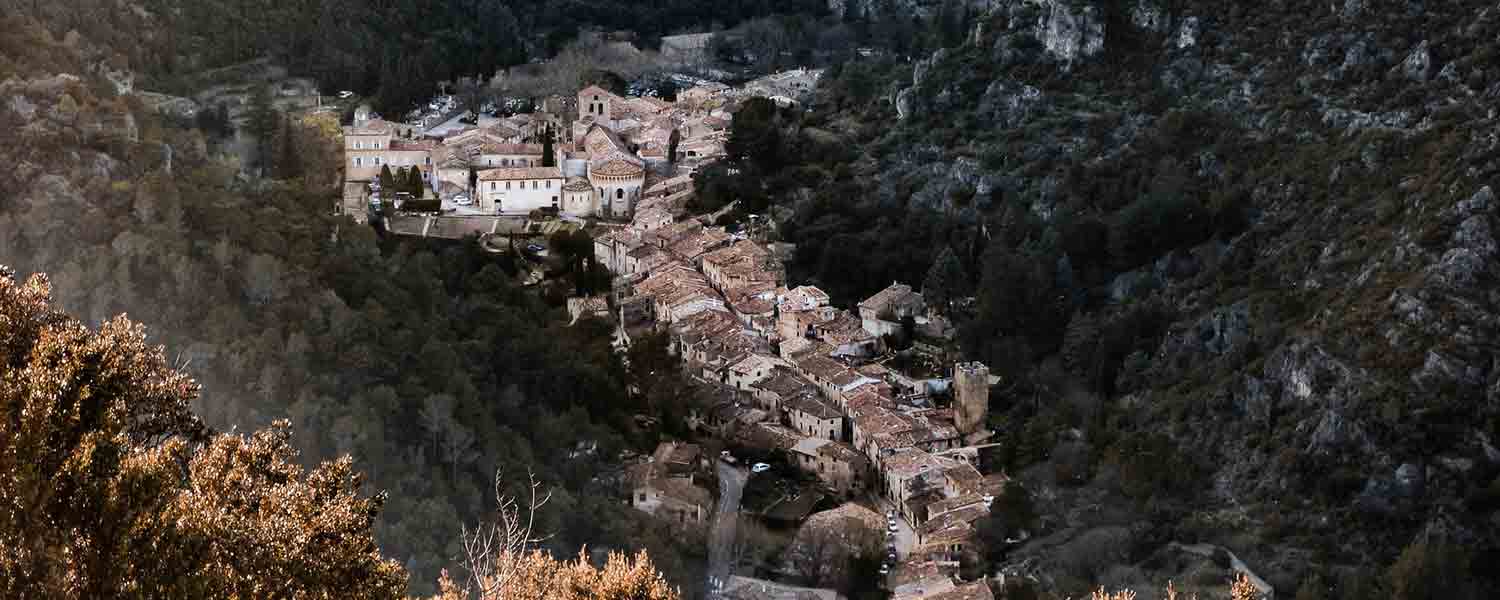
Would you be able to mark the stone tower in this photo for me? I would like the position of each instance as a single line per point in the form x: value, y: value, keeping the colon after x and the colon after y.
x: 971, y: 397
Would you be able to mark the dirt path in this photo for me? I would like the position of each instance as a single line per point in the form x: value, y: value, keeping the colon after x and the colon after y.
x: 1234, y: 562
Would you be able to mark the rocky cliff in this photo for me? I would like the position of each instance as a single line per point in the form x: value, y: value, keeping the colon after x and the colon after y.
x: 1331, y: 359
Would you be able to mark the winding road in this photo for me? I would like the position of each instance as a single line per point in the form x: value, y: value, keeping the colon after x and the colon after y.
x: 726, y: 518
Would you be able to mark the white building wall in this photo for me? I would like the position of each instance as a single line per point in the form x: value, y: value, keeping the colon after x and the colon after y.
x: 578, y: 203
x: 575, y: 167
x: 524, y: 195
x: 617, y: 198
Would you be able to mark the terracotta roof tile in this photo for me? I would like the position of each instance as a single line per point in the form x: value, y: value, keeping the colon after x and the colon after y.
x: 520, y: 173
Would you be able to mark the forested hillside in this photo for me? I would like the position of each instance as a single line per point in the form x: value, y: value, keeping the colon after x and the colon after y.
x: 397, y: 50
x: 424, y: 361
x: 1234, y: 260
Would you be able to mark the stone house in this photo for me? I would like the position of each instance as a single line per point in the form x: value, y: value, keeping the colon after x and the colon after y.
x: 846, y: 336
x: 813, y: 417
x: 836, y: 464
x: 751, y: 369
x: 663, y: 486
x: 739, y: 263
x: 882, y: 313
x: 771, y: 392
x: 372, y: 145
x: 755, y: 306
x: 676, y: 501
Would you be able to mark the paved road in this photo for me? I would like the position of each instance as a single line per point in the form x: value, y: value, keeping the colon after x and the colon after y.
x: 726, y: 517
x: 905, y: 538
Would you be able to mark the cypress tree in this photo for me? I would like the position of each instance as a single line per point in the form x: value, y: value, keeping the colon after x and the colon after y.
x: 548, y: 160
x: 387, y: 182
x: 288, y: 160
x: 264, y: 122
x: 414, y: 182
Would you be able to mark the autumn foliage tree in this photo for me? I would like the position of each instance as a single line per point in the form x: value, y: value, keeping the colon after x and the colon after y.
x: 110, y: 487
x: 538, y: 576
x: 504, y: 562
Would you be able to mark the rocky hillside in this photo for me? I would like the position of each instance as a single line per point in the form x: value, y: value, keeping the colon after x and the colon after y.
x: 1298, y: 198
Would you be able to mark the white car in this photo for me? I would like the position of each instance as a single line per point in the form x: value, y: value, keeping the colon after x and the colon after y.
x: 345, y: 95
x: 463, y: 200
x: 760, y: 468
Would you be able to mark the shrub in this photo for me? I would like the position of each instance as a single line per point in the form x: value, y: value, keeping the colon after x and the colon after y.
x: 1430, y: 571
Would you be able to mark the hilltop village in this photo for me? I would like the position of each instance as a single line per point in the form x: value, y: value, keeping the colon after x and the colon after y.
x: 868, y: 404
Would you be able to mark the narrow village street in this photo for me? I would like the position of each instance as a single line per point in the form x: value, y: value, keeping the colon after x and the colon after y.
x: 726, y: 517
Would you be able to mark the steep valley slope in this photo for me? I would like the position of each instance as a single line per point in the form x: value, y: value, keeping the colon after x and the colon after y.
x: 1264, y: 238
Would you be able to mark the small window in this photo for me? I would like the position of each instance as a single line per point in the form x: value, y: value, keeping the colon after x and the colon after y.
x: 619, y: 193
x: 377, y: 161
x: 533, y: 185
x: 549, y: 184
x: 492, y: 186
x: 358, y: 162
x: 507, y: 185
x: 428, y: 160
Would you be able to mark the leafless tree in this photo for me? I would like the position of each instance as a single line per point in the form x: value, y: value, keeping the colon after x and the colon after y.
x: 754, y: 544
x: 494, y: 550
x: 822, y: 555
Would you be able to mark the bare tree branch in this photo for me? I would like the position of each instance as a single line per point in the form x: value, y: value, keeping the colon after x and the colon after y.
x: 492, y: 551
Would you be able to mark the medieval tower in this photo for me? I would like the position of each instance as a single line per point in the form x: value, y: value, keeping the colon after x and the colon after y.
x: 971, y: 397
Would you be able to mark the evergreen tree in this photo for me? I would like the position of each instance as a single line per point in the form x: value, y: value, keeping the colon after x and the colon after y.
x: 414, y: 183
x: 288, y: 159
x: 672, y: 143
x: 548, y: 160
x: 263, y: 126
x: 755, y: 139
x: 946, y: 280
x: 214, y: 121
x: 387, y: 182
x: 473, y: 180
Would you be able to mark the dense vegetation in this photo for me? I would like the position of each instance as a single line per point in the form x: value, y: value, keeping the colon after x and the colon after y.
x: 1238, y: 289
x: 397, y: 51
x: 1155, y: 258
x: 424, y: 361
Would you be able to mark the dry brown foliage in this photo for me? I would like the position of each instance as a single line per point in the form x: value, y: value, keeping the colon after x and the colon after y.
x: 1239, y: 589
x: 110, y: 487
x: 535, y: 575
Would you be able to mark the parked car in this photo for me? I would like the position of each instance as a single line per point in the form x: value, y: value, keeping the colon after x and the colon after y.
x: 727, y: 457
x: 760, y: 468
x: 463, y: 200
x: 534, y: 247
x: 345, y: 95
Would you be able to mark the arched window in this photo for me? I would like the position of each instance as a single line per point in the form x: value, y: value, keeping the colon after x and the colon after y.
x: 619, y: 193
